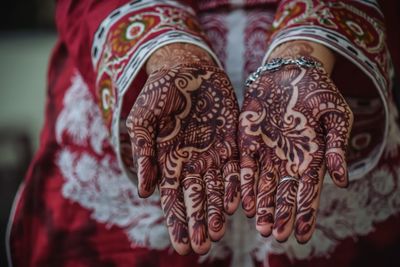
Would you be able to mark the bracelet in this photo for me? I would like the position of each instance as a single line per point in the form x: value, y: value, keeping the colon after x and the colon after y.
x: 277, y: 63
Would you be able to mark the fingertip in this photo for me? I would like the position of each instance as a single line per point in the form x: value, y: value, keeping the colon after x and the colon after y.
x: 216, y: 236
x: 142, y: 193
x: 339, y: 176
x: 182, y: 249
x: 203, y: 248
x: 147, y: 176
x: 230, y: 207
x: 265, y: 230
x: 302, y: 240
x: 304, y: 230
x: 232, y: 188
x: 337, y: 168
x: 249, y: 206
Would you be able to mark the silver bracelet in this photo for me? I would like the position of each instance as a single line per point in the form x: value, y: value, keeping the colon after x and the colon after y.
x: 277, y: 63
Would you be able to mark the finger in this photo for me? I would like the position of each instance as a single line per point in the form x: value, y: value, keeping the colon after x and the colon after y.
x: 308, y: 196
x: 248, y: 179
x: 285, y: 208
x: 266, y: 191
x: 231, y: 172
x: 338, y: 126
x: 337, y: 166
x: 249, y: 144
x: 142, y: 133
x: 147, y: 175
x: 215, y: 204
x: 195, y: 200
x: 173, y: 205
x: 232, y: 186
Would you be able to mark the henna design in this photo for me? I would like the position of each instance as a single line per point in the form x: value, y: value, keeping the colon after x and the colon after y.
x: 294, y: 122
x: 293, y: 49
x: 232, y: 185
x: 266, y: 191
x: 172, y: 55
x: 175, y: 214
x: 188, y: 114
x: 285, y: 205
x: 215, y: 194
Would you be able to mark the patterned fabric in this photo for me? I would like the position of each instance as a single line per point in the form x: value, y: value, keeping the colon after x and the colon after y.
x: 78, y: 205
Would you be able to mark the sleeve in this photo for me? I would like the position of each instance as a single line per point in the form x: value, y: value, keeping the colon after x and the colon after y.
x: 355, y: 31
x: 121, y: 35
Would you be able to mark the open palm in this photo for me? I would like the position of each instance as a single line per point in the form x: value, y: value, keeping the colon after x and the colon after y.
x: 183, y: 130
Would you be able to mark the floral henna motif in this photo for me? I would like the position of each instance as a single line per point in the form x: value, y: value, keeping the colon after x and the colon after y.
x: 294, y: 123
x: 188, y: 114
x: 172, y: 55
x: 215, y: 203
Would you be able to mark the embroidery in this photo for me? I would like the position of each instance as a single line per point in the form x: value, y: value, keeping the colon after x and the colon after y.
x: 92, y: 177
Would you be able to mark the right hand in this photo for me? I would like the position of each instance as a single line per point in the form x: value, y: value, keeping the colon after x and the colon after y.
x: 294, y: 123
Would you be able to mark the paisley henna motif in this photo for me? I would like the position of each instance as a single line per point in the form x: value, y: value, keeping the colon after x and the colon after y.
x: 294, y: 122
x: 183, y: 128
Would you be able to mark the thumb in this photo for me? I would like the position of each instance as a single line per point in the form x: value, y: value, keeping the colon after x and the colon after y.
x: 141, y: 126
x: 338, y: 127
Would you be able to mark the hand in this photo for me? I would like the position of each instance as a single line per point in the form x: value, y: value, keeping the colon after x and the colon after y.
x: 183, y: 130
x: 294, y: 123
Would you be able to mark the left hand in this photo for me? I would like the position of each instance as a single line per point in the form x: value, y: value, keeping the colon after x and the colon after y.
x: 183, y: 128
x: 294, y: 123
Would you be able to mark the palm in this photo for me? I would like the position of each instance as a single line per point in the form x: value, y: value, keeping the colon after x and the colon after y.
x: 294, y: 123
x: 183, y: 130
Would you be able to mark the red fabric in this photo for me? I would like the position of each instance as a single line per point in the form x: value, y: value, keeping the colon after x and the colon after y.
x: 50, y: 230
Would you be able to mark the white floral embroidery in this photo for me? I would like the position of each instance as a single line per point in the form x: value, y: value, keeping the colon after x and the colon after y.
x: 92, y: 177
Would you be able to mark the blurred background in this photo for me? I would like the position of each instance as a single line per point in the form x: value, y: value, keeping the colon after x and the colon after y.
x: 27, y: 35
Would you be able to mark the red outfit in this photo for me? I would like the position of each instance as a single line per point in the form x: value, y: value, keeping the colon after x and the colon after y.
x: 77, y: 205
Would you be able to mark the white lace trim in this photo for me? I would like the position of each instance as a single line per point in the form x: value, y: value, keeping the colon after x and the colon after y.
x: 93, y: 179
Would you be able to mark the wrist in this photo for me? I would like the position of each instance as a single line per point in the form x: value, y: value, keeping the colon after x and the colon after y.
x: 296, y: 49
x: 175, y: 54
x: 279, y: 63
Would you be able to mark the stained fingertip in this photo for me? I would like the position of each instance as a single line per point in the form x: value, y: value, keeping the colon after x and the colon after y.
x: 337, y: 168
x: 249, y: 206
x: 248, y: 177
x: 203, y: 248
x: 231, y: 174
x: 194, y: 193
x: 182, y: 249
x: 216, y: 236
x: 285, y: 210
x: 147, y: 176
x: 266, y: 192
x: 172, y: 203
x: 302, y: 240
x: 305, y: 226
x: 231, y: 206
x: 215, y: 205
x: 265, y: 229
